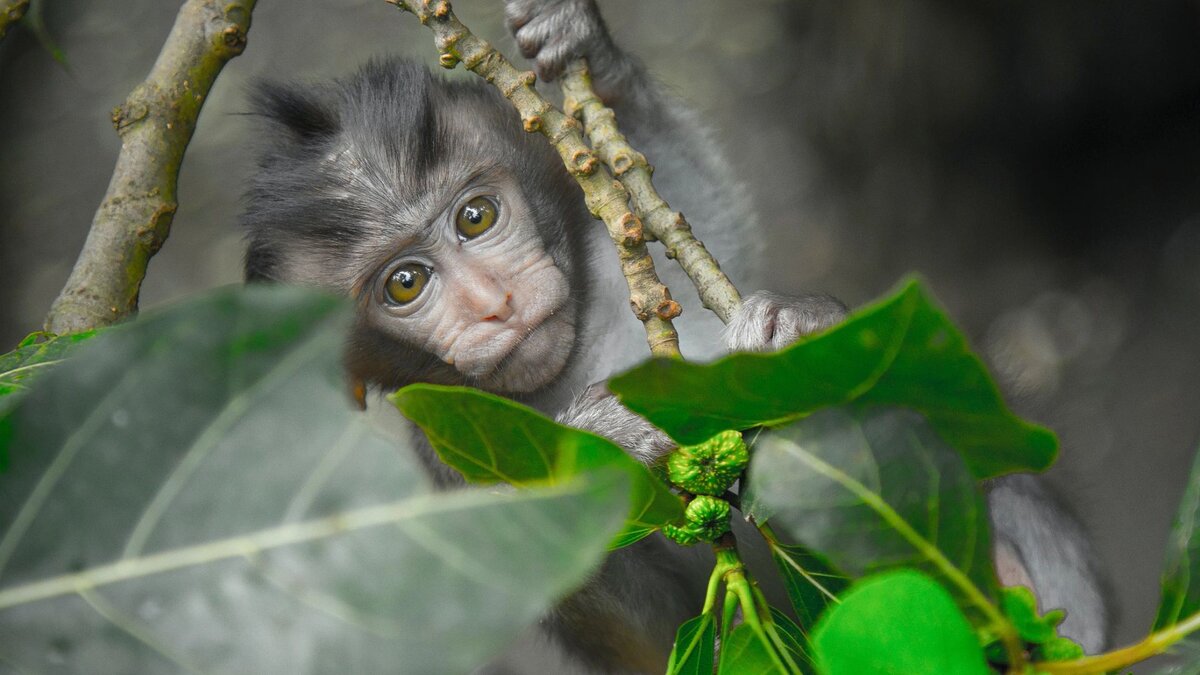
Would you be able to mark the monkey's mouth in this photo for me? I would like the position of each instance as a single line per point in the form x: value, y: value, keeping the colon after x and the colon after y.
x: 524, y: 360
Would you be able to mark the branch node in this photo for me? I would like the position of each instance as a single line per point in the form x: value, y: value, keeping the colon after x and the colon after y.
x: 668, y: 309
x: 448, y: 61
x: 128, y: 113
x: 532, y: 123
x: 584, y: 162
x: 631, y: 230
x: 235, y: 39
x: 621, y: 162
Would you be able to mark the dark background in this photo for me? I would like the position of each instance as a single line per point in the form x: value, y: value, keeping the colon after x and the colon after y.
x: 1037, y: 162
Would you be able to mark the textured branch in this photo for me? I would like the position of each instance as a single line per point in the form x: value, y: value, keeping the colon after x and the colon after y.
x: 11, y: 12
x: 716, y: 291
x: 155, y: 124
x: 606, y: 199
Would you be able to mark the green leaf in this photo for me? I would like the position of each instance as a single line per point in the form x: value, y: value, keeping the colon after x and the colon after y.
x: 1181, y: 570
x: 1020, y: 606
x: 193, y: 492
x: 1058, y: 649
x: 35, y: 355
x: 875, y: 489
x: 901, y: 351
x: 812, y: 583
x: 897, y: 622
x: 695, y: 646
x: 490, y: 439
x: 745, y: 653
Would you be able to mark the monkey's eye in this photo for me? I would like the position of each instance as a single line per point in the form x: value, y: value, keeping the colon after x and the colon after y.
x: 406, y: 283
x: 475, y: 217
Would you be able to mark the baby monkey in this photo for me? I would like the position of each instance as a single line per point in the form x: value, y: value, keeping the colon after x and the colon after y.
x: 471, y: 259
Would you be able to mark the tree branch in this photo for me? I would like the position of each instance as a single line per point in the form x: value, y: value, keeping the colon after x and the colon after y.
x: 155, y: 125
x: 606, y: 199
x: 630, y: 167
x: 11, y: 12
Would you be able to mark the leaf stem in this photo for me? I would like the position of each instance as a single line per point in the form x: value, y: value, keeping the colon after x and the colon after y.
x: 772, y: 631
x: 714, y: 583
x: 780, y: 550
x: 1118, y: 659
x: 727, y: 614
x: 740, y: 592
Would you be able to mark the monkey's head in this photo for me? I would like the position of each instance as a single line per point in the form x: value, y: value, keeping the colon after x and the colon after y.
x: 456, y: 234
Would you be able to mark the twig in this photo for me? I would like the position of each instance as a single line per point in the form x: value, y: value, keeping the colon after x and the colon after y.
x: 11, y: 12
x: 155, y: 124
x: 606, y: 199
x: 1120, y: 659
x: 630, y: 167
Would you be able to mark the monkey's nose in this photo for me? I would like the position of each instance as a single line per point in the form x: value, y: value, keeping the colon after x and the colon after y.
x: 502, y: 310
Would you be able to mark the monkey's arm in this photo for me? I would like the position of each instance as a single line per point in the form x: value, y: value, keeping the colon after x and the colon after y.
x: 765, y: 322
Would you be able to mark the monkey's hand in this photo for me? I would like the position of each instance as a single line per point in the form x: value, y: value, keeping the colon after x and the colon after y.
x: 769, y: 321
x: 552, y: 33
x: 598, y: 411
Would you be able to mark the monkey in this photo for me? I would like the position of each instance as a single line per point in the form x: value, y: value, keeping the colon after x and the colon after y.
x: 471, y: 259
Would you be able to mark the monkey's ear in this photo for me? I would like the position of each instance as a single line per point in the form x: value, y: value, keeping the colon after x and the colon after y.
x: 303, y: 110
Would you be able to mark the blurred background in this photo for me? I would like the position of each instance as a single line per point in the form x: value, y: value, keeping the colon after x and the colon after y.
x: 1037, y: 162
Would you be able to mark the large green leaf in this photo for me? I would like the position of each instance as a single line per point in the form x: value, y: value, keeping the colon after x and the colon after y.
x: 1181, y: 571
x: 901, y: 351
x: 873, y: 489
x: 695, y: 647
x: 193, y: 492
x: 490, y: 439
x: 897, y: 622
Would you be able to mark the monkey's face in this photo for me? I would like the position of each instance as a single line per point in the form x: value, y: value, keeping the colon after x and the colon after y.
x: 457, y: 234
x: 477, y: 290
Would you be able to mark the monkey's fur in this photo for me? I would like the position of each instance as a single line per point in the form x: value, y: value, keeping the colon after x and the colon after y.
x: 365, y: 175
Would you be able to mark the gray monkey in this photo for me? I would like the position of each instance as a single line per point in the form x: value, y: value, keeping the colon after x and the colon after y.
x: 471, y: 259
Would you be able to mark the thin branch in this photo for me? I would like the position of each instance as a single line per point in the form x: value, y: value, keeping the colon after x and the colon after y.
x: 630, y: 167
x: 11, y: 12
x: 606, y: 199
x: 1120, y: 659
x: 155, y: 125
